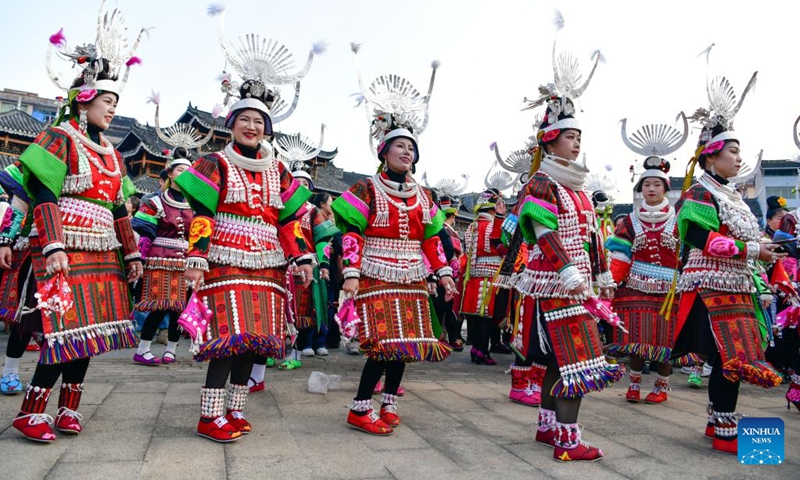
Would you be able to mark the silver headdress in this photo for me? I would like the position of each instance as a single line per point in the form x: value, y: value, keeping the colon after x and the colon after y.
x: 723, y: 107
x: 295, y: 150
x: 654, y: 142
x: 109, y: 52
x: 796, y: 136
x: 182, y: 135
x: 568, y: 85
x: 394, y: 106
x: 500, y: 180
x: 263, y: 63
x: 447, y: 186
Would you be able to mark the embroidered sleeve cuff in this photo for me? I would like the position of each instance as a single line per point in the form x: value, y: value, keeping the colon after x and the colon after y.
x: 198, y: 263
x: 348, y: 273
x: 352, y: 245
x: 570, y: 277
x: 307, y: 259
x: 126, y: 237
x: 47, y: 219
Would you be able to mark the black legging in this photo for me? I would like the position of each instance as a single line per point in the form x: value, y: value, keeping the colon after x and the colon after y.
x: 566, y: 408
x: 46, y: 376
x: 480, y: 331
x: 238, y: 368
x: 154, y: 319
x: 722, y: 393
x: 371, y: 375
x: 17, y: 342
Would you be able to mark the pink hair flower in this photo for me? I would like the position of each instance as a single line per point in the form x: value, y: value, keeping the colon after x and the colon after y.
x: 714, y: 147
x: 133, y: 61
x: 87, y: 95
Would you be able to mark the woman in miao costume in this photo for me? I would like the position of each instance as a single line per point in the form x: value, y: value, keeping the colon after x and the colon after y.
x: 16, y: 265
x: 566, y: 257
x: 643, y: 261
x: 244, y: 232
x: 84, y: 244
x: 163, y: 225
x: 389, y: 222
x: 717, y: 315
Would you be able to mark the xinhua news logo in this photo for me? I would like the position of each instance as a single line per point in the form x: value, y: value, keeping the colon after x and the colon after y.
x: 761, y: 441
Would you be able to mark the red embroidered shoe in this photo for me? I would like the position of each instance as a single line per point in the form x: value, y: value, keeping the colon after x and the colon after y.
x: 258, y: 387
x: 218, y: 430
x: 389, y: 415
x: 547, y: 437
x: 726, y: 446
x: 583, y: 452
x: 237, y: 420
x: 369, y: 423
x: 633, y: 395
x: 35, y: 426
x: 709, y: 433
x: 378, y: 388
x: 69, y: 421
x: 654, y: 398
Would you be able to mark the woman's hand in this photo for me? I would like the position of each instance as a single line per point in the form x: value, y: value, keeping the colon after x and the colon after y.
x: 306, y: 273
x: 449, y: 287
x: 607, y: 292
x: 194, y: 278
x: 767, y: 253
x: 324, y: 274
x: 581, y: 291
x: 5, y: 257
x: 500, y: 207
x: 350, y: 287
x: 57, y: 262
x: 135, y: 271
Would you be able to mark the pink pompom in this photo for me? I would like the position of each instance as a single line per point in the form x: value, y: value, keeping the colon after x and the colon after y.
x: 133, y: 61
x: 58, y: 39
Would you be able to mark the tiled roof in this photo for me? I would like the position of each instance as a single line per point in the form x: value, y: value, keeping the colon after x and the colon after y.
x: 6, y: 160
x: 143, y: 136
x: 146, y: 184
x: 119, y: 127
x: 20, y: 123
x: 782, y: 163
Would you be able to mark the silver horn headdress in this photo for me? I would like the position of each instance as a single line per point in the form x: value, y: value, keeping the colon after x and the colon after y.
x: 298, y: 149
x: 393, y: 103
x: 110, y: 52
x: 447, y: 186
x: 654, y: 142
x: 264, y: 60
x: 182, y: 135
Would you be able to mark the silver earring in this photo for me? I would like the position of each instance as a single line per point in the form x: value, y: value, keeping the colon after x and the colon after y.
x: 713, y: 171
x: 82, y: 119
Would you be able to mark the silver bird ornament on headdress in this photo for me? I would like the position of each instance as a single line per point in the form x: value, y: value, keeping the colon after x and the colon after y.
x: 722, y: 101
x: 393, y: 101
x: 567, y: 77
x: 110, y: 49
x: 298, y: 148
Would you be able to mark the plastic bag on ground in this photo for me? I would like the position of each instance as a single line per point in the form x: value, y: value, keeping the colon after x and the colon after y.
x: 319, y: 382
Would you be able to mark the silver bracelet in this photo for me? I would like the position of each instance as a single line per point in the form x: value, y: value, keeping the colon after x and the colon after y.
x: 753, y: 249
x: 445, y: 272
x: 198, y: 263
x: 349, y: 273
x: 132, y: 256
x: 605, y: 280
x: 53, y: 246
x: 570, y: 277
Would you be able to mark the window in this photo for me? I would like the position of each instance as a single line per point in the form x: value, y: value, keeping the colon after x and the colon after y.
x: 7, y: 107
x: 44, y: 116
x: 785, y: 192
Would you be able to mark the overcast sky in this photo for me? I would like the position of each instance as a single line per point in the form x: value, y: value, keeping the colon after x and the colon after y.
x: 492, y: 55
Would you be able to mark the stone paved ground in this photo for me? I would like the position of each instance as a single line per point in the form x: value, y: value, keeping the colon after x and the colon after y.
x: 457, y: 423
